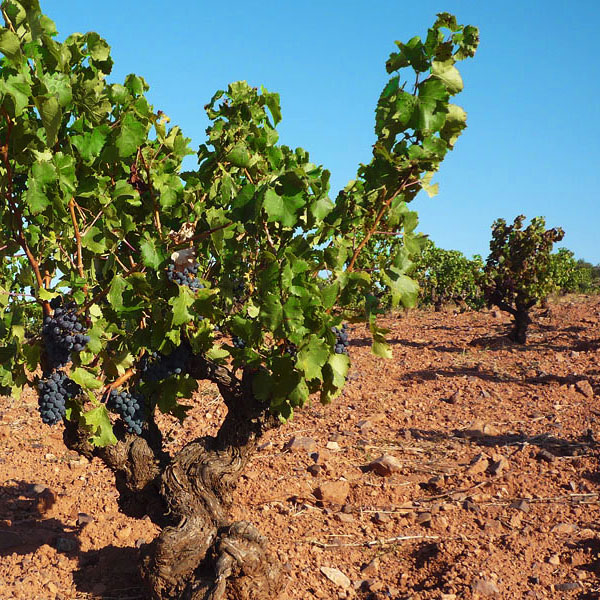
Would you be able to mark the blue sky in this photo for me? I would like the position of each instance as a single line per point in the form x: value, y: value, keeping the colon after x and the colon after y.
x: 531, y: 93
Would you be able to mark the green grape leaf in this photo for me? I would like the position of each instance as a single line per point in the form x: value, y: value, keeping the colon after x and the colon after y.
x: 51, y: 113
x: 85, y: 379
x: 152, y: 255
x: 98, y: 422
x: 312, y: 357
x: 282, y: 209
x: 131, y: 136
x: 180, y: 305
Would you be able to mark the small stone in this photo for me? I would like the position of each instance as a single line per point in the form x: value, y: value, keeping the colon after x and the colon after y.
x: 485, y: 587
x: 314, y: 470
x: 38, y: 488
x: 381, y: 517
x: 479, y: 464
x: 66, y: 544
x: 342, y: 517
x: 337, y: 577
x: 584, y: 387
x: 567, y: 587
x: 371, y: 568
x: 84, y: 519
x: 564, y: 528
x: 333, y: 446
x: 544, y: 455
x: 424, y: 519
x: 479, y: 429
x: 385, y: 465
x: 521, y: 505
x: 300, y: 443
x: 554, y: 560
x: 469, y: 505
x: 123, y: 534
x: 499, y: 465
x: 335, y: 492
x: 52, y: 587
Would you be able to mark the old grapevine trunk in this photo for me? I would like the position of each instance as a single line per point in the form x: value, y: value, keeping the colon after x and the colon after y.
x: 199, y: 553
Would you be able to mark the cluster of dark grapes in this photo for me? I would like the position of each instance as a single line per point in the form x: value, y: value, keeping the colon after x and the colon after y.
x: 341, y: 339
x: 156, y: 366
x: 239, y: 288
x: 130, y: 408
x: 63, y: 332
x: 53, y: 392
x: 290, y: 349
x: 238, y: 342
x: 185, y: 277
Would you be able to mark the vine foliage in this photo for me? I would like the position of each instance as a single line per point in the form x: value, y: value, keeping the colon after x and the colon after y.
x: 237, y: 272
x: 518, y: 269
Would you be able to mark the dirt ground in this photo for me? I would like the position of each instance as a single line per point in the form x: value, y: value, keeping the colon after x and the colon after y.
x: 489, y: 486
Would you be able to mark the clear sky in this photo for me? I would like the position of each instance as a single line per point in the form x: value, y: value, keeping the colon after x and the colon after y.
x: 532, y: 93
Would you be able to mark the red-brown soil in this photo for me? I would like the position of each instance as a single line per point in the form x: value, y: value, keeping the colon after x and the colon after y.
x: 496, y: 493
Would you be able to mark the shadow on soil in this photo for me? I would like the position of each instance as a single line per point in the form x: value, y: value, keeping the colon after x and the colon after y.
x: 111, y: 572
x: 555, y: 446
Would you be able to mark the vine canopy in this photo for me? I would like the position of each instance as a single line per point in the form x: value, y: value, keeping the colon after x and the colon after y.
x: 95, y: 207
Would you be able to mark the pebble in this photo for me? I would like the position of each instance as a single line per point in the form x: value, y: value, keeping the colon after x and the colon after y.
x: 333, y: 446
x: 84, y: 519
x: 337, y: 577
x: 499, y: 465
x: 564, y: 528
x: 385, y: 465
x: 343, y: 517
x: 335, y: 492
x: 485, y: 587
x: 371, y: 568
x: 521, y: 505
x: 424, y: 519
x: 314, y: 470
x: 554, y: 560
x: 567, y: 587
x: 479, y: 429
x: 300, y: 443
x: 479, y: 464
x: 584, y: 387
x: 544, y: 455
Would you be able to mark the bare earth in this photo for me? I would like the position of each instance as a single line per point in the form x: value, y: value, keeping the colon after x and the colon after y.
x: 494, y: 493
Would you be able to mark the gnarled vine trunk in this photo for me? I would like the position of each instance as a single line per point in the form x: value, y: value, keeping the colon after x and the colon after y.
x: 199, y: 553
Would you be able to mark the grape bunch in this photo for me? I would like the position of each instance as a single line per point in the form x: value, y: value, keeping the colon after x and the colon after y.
x: 341, y: 339
x: 53, y: 392
x: 63, y: 332
x: 185, y: 277
x: 239, y: 289
x: 290, y: 349
x: 130, y: 407
x: 156, y: 366
x: 238, y: 342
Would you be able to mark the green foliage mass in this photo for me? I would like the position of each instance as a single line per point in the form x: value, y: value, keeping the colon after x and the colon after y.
x: 517, y: 272
x: 95, y: 206
x: 448, y: 276
x: 572, y: 276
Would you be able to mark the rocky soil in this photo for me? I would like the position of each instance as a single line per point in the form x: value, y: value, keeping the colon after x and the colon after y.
x: 464, y: 468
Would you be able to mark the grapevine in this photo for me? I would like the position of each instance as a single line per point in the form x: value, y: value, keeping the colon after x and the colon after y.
x: 133, y: 264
